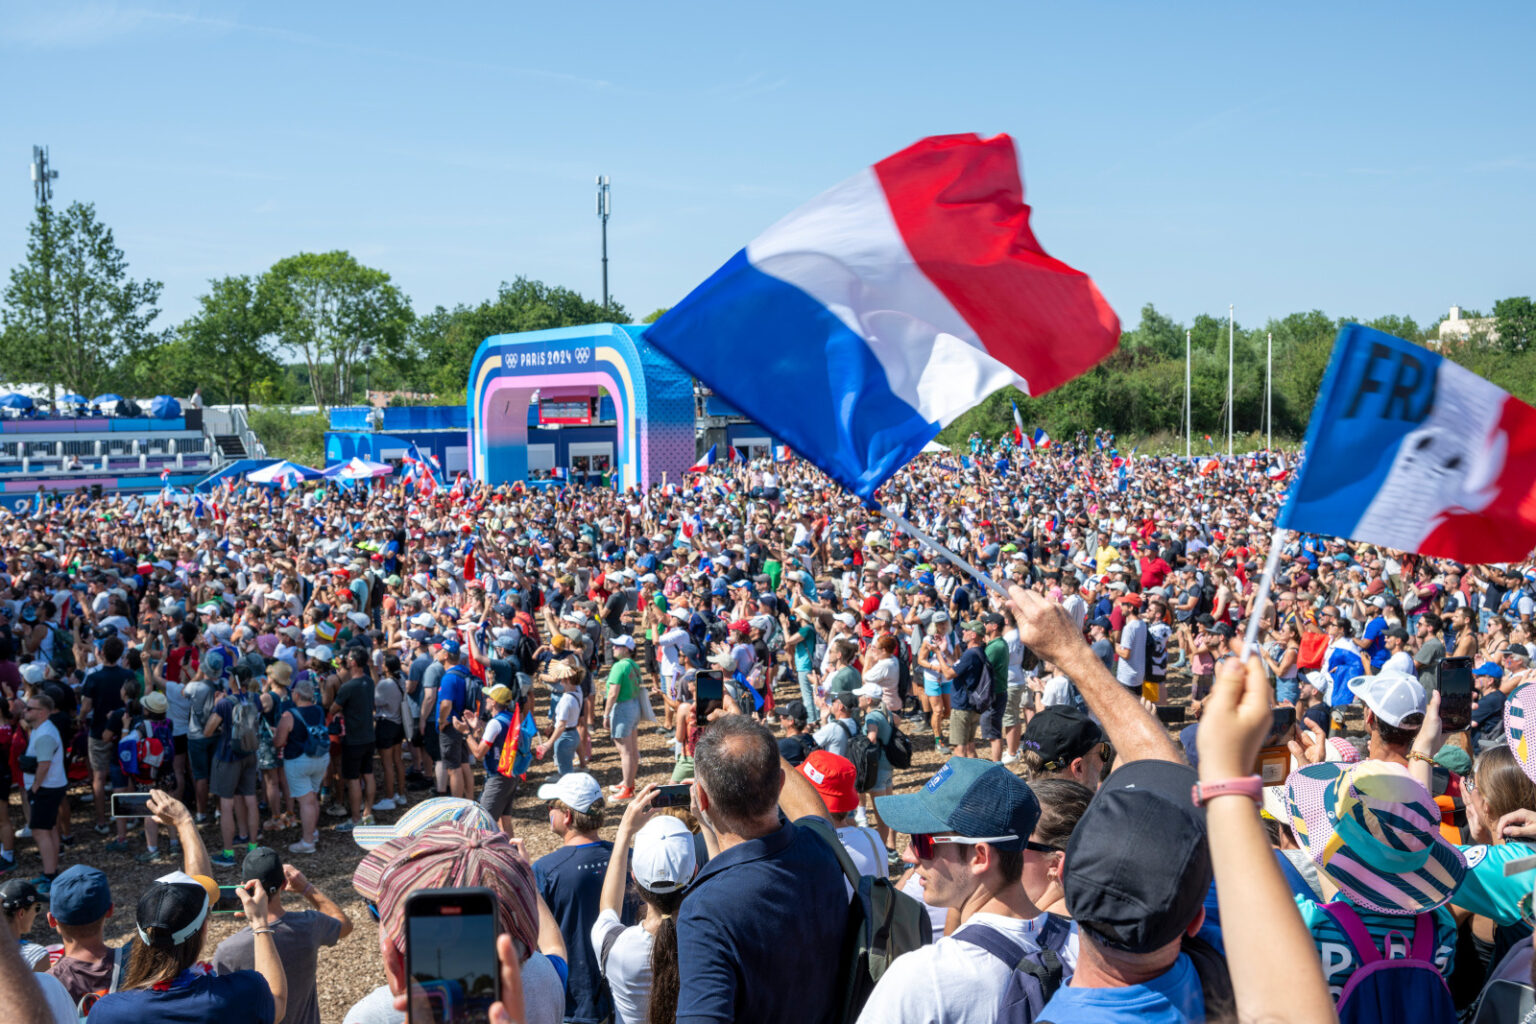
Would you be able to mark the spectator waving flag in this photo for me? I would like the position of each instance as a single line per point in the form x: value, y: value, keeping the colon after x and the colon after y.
x: 1411, y: 451
x: 1018, y: 426
x: 702, y: 466
x: 888, y: 306
x: 1041, y: 439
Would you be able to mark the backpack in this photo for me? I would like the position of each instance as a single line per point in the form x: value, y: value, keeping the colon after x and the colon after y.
x: 62, y: 658
x: 119, y: 963
x: 1034, y: 977
x: 244, y: 725
x: 980, y: 700
x: 883, y: 923
x: 1392, y: 989
x: 864, y: 755
x: 898, y: 749
x: 140, y: 752
x: 903, y: 670
x: 317, y: 739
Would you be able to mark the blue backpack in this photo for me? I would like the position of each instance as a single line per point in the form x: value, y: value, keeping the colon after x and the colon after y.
x: 1383, y: 989
x: 1035, y: 976
x: 317, y: 739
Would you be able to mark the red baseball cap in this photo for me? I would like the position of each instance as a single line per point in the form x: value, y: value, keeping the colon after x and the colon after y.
x: 834, y: 777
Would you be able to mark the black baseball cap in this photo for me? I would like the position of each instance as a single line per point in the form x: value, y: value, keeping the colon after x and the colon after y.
x: 1138, y: 866
x: 794, y: 710
x: 174, y: 908
x: 265, y: 866
x: 1060, y: 735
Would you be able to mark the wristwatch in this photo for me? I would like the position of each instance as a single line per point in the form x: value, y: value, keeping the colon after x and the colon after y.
x: 1250, y: 786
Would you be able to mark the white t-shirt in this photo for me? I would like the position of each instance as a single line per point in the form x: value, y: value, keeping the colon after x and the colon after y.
x: 1057, y: 691
x: 867, y: 851
x: 45, y: 745
x: 1402, y: 662
x: 628, y: 967
x: 568, y: 709
x: 953, y: 981
x: 1131, y: 670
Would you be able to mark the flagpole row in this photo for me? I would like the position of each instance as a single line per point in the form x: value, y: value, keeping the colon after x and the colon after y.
x: 1266, y: 582
x: 954, y: 559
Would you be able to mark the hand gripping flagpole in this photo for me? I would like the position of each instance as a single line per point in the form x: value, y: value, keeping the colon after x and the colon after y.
x: 954, y: 559
x: 1266, y: 582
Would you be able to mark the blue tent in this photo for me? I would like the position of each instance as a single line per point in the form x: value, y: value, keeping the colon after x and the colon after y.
x: 73, y: 399
x: 15, y: 401
x: 164, y: 407
x: 106, y: 399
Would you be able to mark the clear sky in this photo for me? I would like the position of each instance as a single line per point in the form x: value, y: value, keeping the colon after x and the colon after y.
x: 1361, y: 158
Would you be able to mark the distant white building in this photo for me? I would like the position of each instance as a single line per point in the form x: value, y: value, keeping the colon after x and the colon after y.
x: 1459, y: 329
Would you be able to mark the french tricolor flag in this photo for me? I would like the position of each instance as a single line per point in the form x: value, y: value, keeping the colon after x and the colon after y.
x: 1408, y: 450
x: 888, y: 306
x: 1041, y: 439
x: 1018, y: 426
x: 702, y: 466
x: 782, y: 453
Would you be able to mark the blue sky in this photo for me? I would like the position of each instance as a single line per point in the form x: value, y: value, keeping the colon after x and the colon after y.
x: 1359, y: 158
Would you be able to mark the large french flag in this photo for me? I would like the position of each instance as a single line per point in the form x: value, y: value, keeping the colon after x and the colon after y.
x: 1411, y: 451
x: 888, y: 306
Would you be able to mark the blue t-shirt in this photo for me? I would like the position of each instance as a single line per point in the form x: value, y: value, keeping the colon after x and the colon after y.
x: 241, y: 997
x: 1376, y: 646
x: 1172, y: 997
x: 571, y: 881
x: 455, y: 688
x: 970, y: 679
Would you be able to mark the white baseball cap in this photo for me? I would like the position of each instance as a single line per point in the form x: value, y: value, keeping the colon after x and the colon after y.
x: 577, y: 790
x: 624, y: 640
x: 870, y: 690
x: 1392, y: 696
x: 664, y: 858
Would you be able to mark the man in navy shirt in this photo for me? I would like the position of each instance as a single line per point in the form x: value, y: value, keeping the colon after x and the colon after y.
x: 746, y: 951
x: 571, y: 881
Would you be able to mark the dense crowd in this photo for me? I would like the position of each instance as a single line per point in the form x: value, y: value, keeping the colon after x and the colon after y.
x: 1116, y: 829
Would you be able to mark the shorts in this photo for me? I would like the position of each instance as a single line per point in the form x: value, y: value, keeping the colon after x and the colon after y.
x: 103, y: 755
x: 938, y: 687
x: 200, y: 757
x: 306, y: 775
x: 179, y: 745
x: 387, y: 734
x: 432, y: 745
x: 455, y: 750
x: 883, y: 777
x: 1287, y: 690
x: 624, y: 718
x: 496, y: 798
x: 45, y: 808
x: 1013, y: 709
x: 682, y: 771
x: 962, y: 727
x: 356, y: 760
x: 992, y: 718
x: 230, y: 779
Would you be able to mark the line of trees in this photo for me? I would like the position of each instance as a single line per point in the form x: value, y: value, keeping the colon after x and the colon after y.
x: 316, y: 328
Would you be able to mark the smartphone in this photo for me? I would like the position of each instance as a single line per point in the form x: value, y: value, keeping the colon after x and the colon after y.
x: 130, y: 805
x: 708, y: 694
x: 450, y: 955
x: 1171, y: 715
x: 1282, y: 721
x: 673, y: 796
x: 1453, y: 677
x: 228, y: 902
x: 1274, y: 762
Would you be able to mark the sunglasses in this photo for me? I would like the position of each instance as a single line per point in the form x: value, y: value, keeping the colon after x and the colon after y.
x: 923, y: 846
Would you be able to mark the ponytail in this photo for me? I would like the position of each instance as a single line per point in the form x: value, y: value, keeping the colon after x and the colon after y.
x: 665, y: 977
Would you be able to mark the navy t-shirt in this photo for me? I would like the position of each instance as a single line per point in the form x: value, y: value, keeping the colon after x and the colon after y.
x: 571, y: 881
x: 238, y: 998
x: 105, y: 689
x: 970, y: 678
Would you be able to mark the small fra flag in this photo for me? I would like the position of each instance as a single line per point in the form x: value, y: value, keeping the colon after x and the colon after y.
x: 1018, y: 426
x: 889, y: 305
x: 1041, y: 439
x: 1411, y: 451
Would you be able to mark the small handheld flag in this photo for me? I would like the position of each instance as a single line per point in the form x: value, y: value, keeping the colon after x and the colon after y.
x: 1041, y: 439
x: 1411, y: 451
x: 702, y: 466
x: 1018, y: 426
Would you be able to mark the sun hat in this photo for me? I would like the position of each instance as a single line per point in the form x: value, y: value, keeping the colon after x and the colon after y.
x: 834, y: 777
x: 1519, y: 716
x: 577, y: 790
x: 174, y: 907
x: 1376, y: 833
x: 154, y: 702
x: 450, y: 856
x: 440, y: 810
x: 969, y: 796
x: 664, y: 858
x: 1392, y: 696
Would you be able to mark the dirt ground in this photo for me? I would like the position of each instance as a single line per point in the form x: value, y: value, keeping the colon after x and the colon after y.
x: 352, y: 968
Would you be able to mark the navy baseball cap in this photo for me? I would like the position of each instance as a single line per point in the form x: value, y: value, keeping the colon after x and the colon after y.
x: 970, y: 797
x: 80, y: 896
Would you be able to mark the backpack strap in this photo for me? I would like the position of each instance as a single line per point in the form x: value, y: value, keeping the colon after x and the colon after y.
x: 1424, y: 938
x: 992, y: 941
x: 1354, y: 931
x: 828, y: 836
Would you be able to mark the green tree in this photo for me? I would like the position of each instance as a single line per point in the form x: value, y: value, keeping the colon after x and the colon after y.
x: 448, y: 338
x: 1157, y: 335
x: 657, y: 315
x: 72, y: 315
x: 230, y: 338
x: 1515, y: 321
x: 336, y: 313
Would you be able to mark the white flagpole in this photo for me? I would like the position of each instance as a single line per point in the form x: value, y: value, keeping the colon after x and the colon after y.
x: 922, y: 538
x: 1189, y: 420
x: 1269, y: 391
x: 1230, y: 322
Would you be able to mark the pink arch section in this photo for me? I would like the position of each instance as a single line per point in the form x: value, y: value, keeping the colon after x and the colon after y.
x: 502, y: 429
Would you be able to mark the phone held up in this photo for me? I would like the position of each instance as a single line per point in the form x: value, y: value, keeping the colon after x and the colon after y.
x: 708, y: 694
x: 450, y: 955
x: 1453, y: 678
x: 133, y: 805
x: 1274, y: 763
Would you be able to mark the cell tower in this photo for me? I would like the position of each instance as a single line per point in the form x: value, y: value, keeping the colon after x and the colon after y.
x: 43, y: 176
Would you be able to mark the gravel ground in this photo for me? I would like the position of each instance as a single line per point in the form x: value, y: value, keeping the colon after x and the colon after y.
x: 352, y: 968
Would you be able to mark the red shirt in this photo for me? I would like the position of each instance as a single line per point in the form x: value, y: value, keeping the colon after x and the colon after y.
x: 1153, y: 571
x: 173, y: 659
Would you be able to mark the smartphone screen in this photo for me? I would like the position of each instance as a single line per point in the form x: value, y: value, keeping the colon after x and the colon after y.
x: 130, y: 805
x: 1454, y: 678
x: 708, y: 693
x: 1284, y: 719
x: 229, y: 901
x: 1171, y: 714
x: 450, y: 955
x: 673, y: 796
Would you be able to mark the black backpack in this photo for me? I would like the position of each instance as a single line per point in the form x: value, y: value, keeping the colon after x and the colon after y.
x: 883, y: 923
x: 898, y: 749
x: 903, y: 670
x: 1035, y: 975
x: 62, y: 657
x: 864, y: 755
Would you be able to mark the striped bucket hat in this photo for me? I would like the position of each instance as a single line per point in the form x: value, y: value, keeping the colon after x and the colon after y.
x: 1519, y: 721
x: 1376, y: 833
x: 440, y: 810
